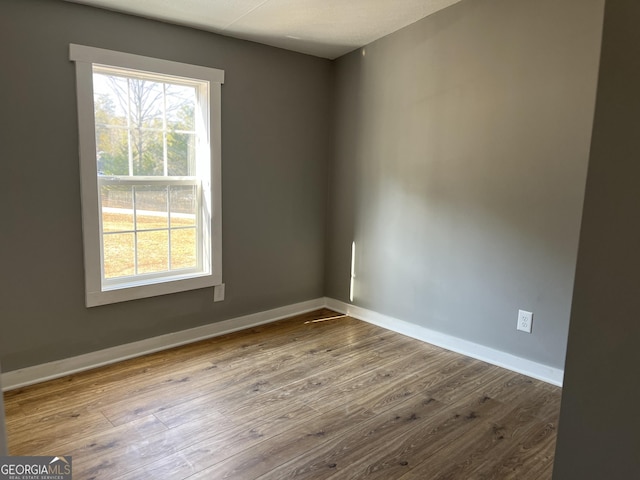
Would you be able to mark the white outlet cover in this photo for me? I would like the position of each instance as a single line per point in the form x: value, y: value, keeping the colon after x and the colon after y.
x: 525, y: 319
x: 218, y: 293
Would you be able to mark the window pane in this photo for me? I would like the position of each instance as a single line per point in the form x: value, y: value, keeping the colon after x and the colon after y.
x: 181, y: 156
x: 153, y: 251
x: 181, y: 107
x: 151, y: 207
x: 183, y: 206
x: 117, y: 208
x: 118, y: 255
x: 112, y: 150
x: 148, y: 152
x: 183, y: 248
x: 146, y: 105
x: 110, y: 99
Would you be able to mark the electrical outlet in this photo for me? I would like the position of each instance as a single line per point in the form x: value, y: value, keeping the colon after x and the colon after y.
x: 218, y: 293
x: 525, y: 319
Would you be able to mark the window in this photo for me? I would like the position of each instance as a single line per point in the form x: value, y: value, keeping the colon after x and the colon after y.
x: 149, y: 134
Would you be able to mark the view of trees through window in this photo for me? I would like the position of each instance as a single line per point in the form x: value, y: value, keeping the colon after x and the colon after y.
x: 145, y: 152
x: 144, y: 127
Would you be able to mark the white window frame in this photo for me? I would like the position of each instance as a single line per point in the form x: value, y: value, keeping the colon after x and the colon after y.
x: 101, y: 292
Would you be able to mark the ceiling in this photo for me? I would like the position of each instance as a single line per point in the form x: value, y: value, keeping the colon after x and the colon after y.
x: 324, y: 28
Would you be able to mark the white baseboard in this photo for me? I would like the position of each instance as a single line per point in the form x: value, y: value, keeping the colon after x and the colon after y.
x: 526, y: 367
x: 60, y: 368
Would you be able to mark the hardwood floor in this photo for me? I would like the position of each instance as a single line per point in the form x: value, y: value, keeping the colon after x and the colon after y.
x: 300, y: 399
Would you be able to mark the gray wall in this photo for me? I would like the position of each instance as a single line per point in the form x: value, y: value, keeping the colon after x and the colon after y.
x: 275, y: 137
x: 3, y: 433
x: 599, y: 422
x: 459, y: 167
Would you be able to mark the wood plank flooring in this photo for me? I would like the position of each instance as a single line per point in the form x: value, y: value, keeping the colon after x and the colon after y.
x: 296, y: 399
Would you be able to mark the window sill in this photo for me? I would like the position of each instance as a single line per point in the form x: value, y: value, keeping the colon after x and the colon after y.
x: 124, y: 293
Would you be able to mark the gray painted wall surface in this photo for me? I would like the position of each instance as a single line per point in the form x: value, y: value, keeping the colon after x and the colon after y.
x: 3, y: 433
x: 599, y: 423
x: 459, y: 167
x: 275, y: 137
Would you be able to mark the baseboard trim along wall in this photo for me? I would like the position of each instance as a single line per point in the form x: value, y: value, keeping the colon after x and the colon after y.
x: 526, y: 367
x: 48, y: 371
